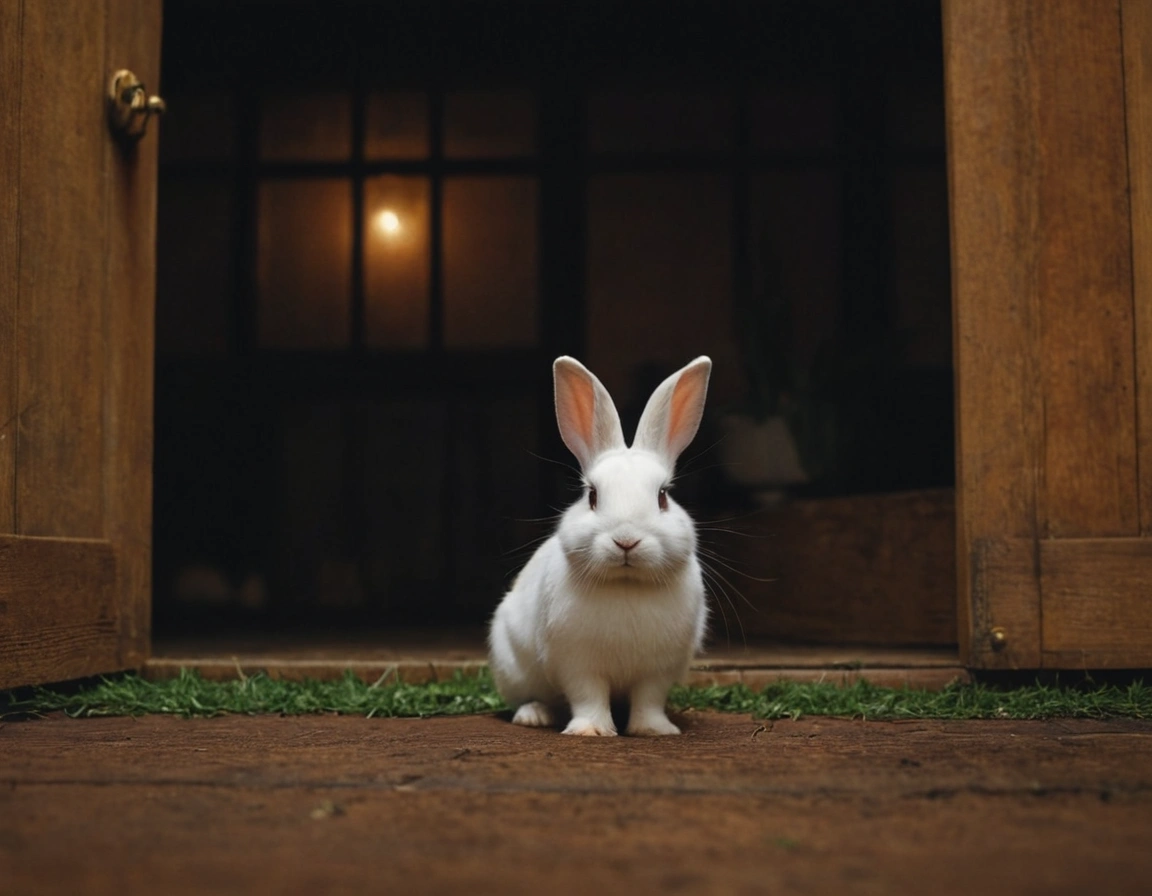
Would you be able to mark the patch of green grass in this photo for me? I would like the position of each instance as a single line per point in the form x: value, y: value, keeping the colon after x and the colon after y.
x: 790, y: 700
x: 190, y: 695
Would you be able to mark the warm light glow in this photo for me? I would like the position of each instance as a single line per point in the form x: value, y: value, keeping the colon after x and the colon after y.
x: 388, y: 222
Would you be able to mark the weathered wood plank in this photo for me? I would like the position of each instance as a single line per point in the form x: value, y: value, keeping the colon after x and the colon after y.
x: 1136, y: 17
x: 994, y: 208
x: 133, y: 42
x: 1084, y: 267
x: 421, y: 656
x: 1004, y: 599
x: 58, y: 613
x: 11, y: 56
x: 1042, y: 290
x: 868, y: 569
x: 61, y: 325
x: 1097, y: 602
x: 335, y: 804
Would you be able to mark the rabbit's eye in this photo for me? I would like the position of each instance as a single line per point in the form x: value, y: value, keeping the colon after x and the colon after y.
x: 592, y: 497
x: 662, y: 498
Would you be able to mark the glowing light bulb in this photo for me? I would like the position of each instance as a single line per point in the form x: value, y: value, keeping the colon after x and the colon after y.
x: 388, y: 222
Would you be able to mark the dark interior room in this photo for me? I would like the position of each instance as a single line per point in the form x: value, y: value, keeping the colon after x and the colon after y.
x: 379, y: 223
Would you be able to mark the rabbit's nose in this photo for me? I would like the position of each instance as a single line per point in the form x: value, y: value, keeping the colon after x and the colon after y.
x: 626, y: 545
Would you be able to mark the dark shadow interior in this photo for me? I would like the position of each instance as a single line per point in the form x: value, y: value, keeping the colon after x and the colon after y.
x: 379, y: 222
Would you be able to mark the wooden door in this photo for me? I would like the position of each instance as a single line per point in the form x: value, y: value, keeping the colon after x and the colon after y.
x: 1049, y: 107
x: 77, y: 242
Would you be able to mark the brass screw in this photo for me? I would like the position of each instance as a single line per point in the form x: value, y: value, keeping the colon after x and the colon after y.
x: 999, y: 638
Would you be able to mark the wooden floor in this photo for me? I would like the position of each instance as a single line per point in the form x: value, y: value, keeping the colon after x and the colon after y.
x: 430, y: 654
x: 330, y: 805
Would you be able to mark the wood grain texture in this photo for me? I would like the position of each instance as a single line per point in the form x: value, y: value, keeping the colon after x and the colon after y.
x: 1084, y: 267
x: 996, y: 307
x: 58, y: 613
x: 1136, y: 19
x: 470, y: 805
x: 1042, y: 289
x: 61, y: 325
x: 1004, y: 604
x: 1097, y: 602
x: 133, y: 42
x: 870, y: 569
x: 11, y: 15
x: 82, y: 344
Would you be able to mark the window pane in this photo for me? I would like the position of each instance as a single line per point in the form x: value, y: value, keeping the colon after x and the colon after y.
x: 306, y: 127
x: 489, y: 262
x: 659, y: 277
x: 193, y: 267
x: 489, y: 123
x: 304, y: 268
x: 396, y: 261
x: 396, y: 125
x: 659, y: 121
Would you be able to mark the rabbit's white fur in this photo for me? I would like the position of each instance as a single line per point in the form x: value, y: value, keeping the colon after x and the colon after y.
x: 612, y: 606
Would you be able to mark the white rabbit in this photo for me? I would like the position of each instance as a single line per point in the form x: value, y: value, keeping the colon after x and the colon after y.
x: 612, y: 606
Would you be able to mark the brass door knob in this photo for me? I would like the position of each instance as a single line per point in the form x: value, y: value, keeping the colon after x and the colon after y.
x: 130, y: 107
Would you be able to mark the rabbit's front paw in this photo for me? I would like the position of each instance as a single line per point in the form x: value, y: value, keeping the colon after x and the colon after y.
x: 652, y: 726
x: 533, y: 715
x: 590, y: 728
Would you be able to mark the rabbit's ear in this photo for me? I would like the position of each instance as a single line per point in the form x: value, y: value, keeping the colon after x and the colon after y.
x: 588, y: 420
x: 673, y: 413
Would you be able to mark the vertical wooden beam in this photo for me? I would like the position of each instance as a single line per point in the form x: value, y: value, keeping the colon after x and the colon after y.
x: 60, y: 326
x: 1136, y: 22
x: 990, y: 96
x: 133, y: 41
x: 1084, y: 267
x: 1042, y: 292
x: 11, y: 58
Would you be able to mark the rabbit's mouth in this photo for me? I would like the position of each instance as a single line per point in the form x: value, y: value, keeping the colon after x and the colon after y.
x: 630, y: 561
x: 634, y: 568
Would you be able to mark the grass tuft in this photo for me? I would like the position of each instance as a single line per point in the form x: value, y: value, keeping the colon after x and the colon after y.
x: 189, y: 695
x: 791, y: 700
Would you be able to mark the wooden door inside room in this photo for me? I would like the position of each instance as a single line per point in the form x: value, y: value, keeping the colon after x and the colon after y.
x: 1049, y: 109
x: 77, y: 245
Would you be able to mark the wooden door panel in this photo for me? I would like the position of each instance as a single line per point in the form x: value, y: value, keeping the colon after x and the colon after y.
x: 1078, y: 172
x: 10, y: 64
x: 1097, y: 602
x: 134, y: 41
x: 76, y: 320
x: 996, y: 310
x: 1051, y: 335
x: 61, y: 299
x: 1000, y: 624
x: 1136, y: 20
x: 997, y: 326
x: 1079, y: 603
x: 59, y: 602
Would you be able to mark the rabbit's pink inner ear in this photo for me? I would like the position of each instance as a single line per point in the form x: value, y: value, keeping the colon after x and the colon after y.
x: 687, y: 407
x: 575, y: 411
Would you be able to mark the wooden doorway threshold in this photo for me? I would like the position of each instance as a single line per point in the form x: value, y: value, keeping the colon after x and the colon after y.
x: 422, y: 655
